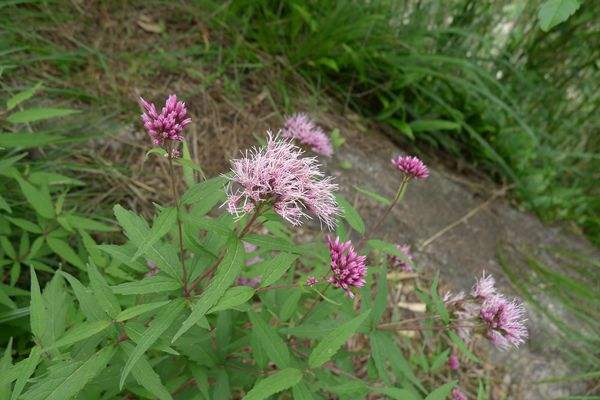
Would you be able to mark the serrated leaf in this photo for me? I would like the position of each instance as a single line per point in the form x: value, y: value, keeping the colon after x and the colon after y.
x: 88, y: 224
x: 201, y: 378
x: 124, y: 253
x: 433, y: 125
x: 38, y: 114
x: 22, y: 96
x: 205, y: 191
x: 25, y: 225
x: 27, y: 140
x: 86, y: 300
x: 81, y: 332
x: 397, y: 361
x: 378, y: 353
x: 162, y: 225
x: 152, y: 284
x: 396, y: 393
x: 460, y: 344
x: 65, y: 251
x: 159, y: 325
x: 146, y: 376
x: 80, y: 377
x: 134, y: 311
x: 302, y: 392
x: 375, y: 196
x: 26, y: 370
x: 275, y: 383
x: 553, y: 12
x: 5, y: 364
x: 275, y: 267
x: 102, y: 292
x: 37, y: 308
x: 274, y: 243
x: 438, y: 303
x: 290, y: 304
x: 4, y: 299
x: 442, y: 392
x: 270, y: 341
x: 233, y: 297
x: 440, y: 360
x: 351, y: 215
x: 225, y: 275
x: 331, y: 343
x: 380, y: 297
x: 39, y: 199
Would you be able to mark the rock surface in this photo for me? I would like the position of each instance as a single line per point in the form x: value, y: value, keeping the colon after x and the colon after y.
x: 465, y: 249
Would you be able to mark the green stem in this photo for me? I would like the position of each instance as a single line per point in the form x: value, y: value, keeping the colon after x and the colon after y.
x: 184, y: 277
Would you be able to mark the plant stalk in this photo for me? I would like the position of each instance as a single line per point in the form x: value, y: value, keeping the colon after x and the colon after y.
x: 184, y: 277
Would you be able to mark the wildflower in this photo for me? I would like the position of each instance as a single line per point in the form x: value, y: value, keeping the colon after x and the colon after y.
x: 278, y: 175
x: 311, y: 281
x: 453, y: 362
x: 504, y: 321
x: 484, y: 287
x: 349, y: 269
x: 400, y: 263
x: 167, y: 125
x: 457, y: 394
x: 252, y: 282
x: 301, y: 128
x: 412, y: 167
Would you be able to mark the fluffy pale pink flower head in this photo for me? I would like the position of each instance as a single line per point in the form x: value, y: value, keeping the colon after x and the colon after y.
x: 505, y: 321
x: 168, y: 125
x: 348, y: 268
x: 400, y: 263
x: 278, y: 175
x: 411, y: 167
x: 301, y: 128
x: 484, y: 287
x: 457, y: 394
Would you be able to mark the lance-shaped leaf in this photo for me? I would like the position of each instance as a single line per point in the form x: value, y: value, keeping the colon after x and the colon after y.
x: 351, y: 215
x: 331, y: 343
x: 37, y: 308
x: 134, y: 311
x: 26, y: 370
x: 275, y: 267
x: 162, y: 225
x: 270, y: 341
x: 284, y: 379
x: 225, y: 275
x: 158, y: 326
x: 81, y: 332
x: 63, y: 249
x: 233, y: 297
x: 87, y: 303
x: 152, y: 284
x: 146, y: 376
x: 102, y: 292
x: 442, y: 392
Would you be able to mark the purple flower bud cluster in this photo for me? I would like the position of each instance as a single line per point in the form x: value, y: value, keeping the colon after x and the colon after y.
x: 301, y: 128
x: 348, y: 268
x: 411, y: 167
x: 311, y: 281
x: 400, y: 263
x: 277, y: 174
x: 453, y: 362
x: 503, y: 320
x: 457, y: 394
x: 168, y: 125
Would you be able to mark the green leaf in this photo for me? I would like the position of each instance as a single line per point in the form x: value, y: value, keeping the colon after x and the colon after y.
x: 397, y: 360
x: 5, y: 364
x: 87, y: 303
x: 39, y: 199
x: 102, y: 292
x: 81, y: 332
x: 25, y: 225
x: 442, y: 392
x: 233, y: 297
x: 269, y: 339
x: 380, y: 296
x: 134, y: 311
x: 27, y: 140
x: 76, y: 380
x: 375, y: 196
x: 65, y: 251
x: 290, y: 304
x: 396, y: 393
x: 275, y: 383
x: 4, y: 299
x: 440, y: 360
x: 152, y: 284
x: 331, y: 343
x: 201, y: 378
x: 225, y: 275
x: 433, y: 125
x: 38, y: 312
x: 209, y: 191
x: 460, y: 344
x: 302, y: 392
x: 274, y: 243
x: 222, y: 389
x: 553, y: 12
x: 38, y: 114
x: 351, y: 215
x: 124, y: 253
x: 146, y: 376
x: 159, y: 325
x: 22, y: 96
x: 379, y: 355
x: 28, y: 367
x: 88, y: 224
x: 13, y: 314
x: 162, y: 225
x: 275, y: 267
x: 438, y: 303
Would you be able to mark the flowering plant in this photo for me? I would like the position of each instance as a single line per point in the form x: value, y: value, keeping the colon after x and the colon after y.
x: 215, y: 299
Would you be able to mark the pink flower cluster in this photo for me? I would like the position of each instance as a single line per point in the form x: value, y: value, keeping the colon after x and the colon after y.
x: 503, y: 320
x: 167, y: 125
x: 348, y: 268
x: 398, y: 262
x: 301, y: 128
x: 411, y: 167
x: 278, y: 175
x: 457, y: 394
